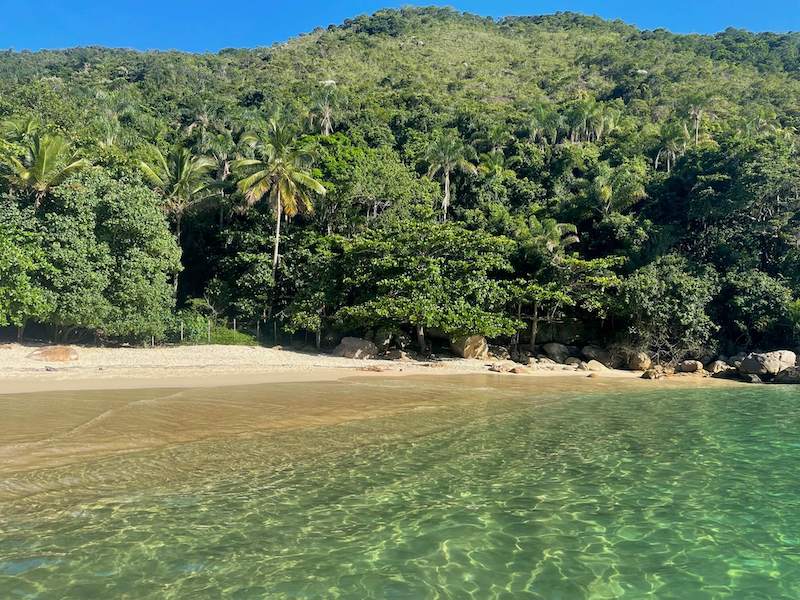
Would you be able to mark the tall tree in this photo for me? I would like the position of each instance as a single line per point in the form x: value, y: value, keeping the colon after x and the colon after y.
x: 280, y: 172
x: 182, y: 178
x: 446, y: 154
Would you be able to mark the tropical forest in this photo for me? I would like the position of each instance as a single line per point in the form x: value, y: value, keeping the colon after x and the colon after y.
x: 420, y: 171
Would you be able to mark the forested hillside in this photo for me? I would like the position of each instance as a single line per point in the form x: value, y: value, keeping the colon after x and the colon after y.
x: 416, y: 170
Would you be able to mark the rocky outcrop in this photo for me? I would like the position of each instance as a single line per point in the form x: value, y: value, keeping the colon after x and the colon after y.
x: 639, y: 361
x: 656, y: 372
x: 54, y: 354
x: 719, y: 367
x: 573, y: 361
x: 473, y: 346
x: 499, y: 352
x: 399, y: 355
x: 594, y: 366
x: 558, y: 352
x: 767, y: 363
x: 790, y: 375
x: 353, y: 347
x: 689, y: 366
x: 597, y: 353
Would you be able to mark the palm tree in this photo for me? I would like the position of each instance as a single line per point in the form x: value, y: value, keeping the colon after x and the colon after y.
x: 496, y: 138
x: 546, y: 124
x: 446, y: 154
x: 181, y: 177
x: 279, y: 171
x: 47, y: 162
x: 323, y: 112
x: 673, y: 144
x: 19, y: 129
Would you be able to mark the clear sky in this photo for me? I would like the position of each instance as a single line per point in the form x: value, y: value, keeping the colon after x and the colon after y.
x: 208, y: 25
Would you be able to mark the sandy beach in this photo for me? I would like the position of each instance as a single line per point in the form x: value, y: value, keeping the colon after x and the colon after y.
x: 214, y: 366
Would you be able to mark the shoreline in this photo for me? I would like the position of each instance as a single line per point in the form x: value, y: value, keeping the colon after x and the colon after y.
x: 224, y: 366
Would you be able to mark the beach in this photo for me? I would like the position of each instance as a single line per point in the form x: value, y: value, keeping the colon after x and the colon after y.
x: 214, y: 366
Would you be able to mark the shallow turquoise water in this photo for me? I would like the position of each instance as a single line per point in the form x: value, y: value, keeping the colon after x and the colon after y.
x: 672, y: 494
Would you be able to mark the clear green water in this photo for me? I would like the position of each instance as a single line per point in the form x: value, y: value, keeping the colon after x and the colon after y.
x: 672, y: 494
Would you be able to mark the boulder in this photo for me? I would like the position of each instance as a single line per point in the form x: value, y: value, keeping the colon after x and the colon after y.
x: 573, y: 360
x: 54, y: 354
x: 595, y: 366
x: 750, y: 378
x: 639, y: 361
x: 520, y: 371
x: 520, y: 356
x: 767, y: 363
x: 383, y: 339
x: 500, y: 367
x: 597, y: 353
x: 473, y: 346
x: 656, y: 372
x: 558, y: 352
x: 400, y: 355
x: 499, y: 352
x: 790, y: 375
x: 689, y: 366
x: 719, y: 366
x: 353, y: 347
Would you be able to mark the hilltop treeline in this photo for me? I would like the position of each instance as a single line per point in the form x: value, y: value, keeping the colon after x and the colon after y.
x: 415, y: 170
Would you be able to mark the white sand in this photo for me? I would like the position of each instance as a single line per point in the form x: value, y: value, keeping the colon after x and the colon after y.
x: 207, y: 366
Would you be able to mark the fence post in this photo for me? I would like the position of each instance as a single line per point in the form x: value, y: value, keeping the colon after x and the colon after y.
x: 181, y: 331
x: 258, y: 330
x: 209, y: 330
x: 234, y: 324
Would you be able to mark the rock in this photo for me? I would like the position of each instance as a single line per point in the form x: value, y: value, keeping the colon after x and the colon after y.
x: 400, y: 355
x: 473, y: 346
x: 719, y: 366
x: 521, y: 357
x: 689, y: 366
x: 557, y: 352
x: 790, y: 375
x: 767, y: 363
x: 544, y: 361
x: 54, y: 354
x: 499, y: 352
x: 736, y: 359
x: 593, y: 375
x: 639, y: 361
x: 597, y: 353
x: 596, y: 366
x: 573, y: 360
x: 750, y: 378
x: 500, y: 368
x: 352, y: 347
x: 520, y: 371
x: 654, y: 373
x: 50, y: 369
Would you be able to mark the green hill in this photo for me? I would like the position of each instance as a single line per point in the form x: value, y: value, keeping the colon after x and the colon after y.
x: 640, y: 183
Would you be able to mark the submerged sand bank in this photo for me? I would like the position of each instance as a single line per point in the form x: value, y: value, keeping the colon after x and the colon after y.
x: 213, y: 366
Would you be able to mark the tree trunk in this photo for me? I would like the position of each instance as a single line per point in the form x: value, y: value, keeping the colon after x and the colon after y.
x: 278, y: 210
x: 421, y: 338
x: 178, y: 238
x: 21, y: 332
x: 515, y: 340
x: 446, y: 200
x: 318, y: 339
x: 534, y: 325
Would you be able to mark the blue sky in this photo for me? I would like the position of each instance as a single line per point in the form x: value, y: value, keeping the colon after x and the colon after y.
x: 208, y: 25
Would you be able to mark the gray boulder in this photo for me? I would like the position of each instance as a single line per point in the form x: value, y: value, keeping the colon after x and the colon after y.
x: 689, y: 366
x: 597, y: 353
x: 719, y: 366
x: 353, y: 347
x: 790, y: 375
x: 558, y: 352
x: 573, y: 361
x: 767, y: 363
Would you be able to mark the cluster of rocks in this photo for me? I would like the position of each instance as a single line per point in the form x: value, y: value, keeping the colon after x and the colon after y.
x: 780, y: 366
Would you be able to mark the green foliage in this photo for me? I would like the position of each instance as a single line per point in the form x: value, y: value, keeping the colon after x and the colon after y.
x: 566, y: 153
x: 667, y: 305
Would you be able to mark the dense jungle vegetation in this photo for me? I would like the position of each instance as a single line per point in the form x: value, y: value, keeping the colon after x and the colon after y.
x: 419, y: 170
